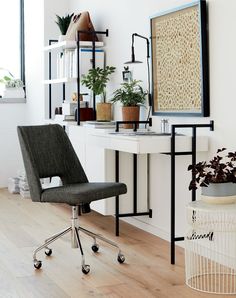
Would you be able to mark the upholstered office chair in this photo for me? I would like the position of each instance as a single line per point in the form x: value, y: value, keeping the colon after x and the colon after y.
x: 47, y: 152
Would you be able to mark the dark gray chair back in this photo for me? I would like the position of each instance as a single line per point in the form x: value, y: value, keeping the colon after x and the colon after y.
x: 47, y: 152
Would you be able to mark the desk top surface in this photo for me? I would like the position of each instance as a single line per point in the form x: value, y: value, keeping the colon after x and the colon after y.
x: 139, y: 143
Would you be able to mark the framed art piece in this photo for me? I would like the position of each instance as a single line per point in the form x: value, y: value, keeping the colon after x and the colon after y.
x: 180, y: 80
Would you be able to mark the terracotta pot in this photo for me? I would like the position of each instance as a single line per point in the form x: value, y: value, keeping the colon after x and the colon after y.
x: 130, y: 114
x: 103, y: 111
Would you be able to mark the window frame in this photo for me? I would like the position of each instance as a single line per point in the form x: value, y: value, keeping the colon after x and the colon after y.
x: 22, y: 41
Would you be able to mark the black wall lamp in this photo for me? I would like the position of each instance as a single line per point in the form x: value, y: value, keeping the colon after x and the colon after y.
x: 134, y: 61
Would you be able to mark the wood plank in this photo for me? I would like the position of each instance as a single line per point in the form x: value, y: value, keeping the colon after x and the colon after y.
x: 147, y: 271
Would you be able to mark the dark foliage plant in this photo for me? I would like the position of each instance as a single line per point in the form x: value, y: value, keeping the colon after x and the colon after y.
x: 64, y: 22
x: 220, y: 169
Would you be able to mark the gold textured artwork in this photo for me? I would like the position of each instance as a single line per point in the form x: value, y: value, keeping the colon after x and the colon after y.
x: 176, y: 62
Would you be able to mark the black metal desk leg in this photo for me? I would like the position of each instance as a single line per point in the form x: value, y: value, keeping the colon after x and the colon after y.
x: 135, y: 182
x: 172, y: 207
x: 117, y: 174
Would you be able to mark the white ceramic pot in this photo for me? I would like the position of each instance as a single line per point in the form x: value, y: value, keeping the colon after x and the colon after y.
x: 219, y: 193
x: 61, y: 38
x: 14, y: 93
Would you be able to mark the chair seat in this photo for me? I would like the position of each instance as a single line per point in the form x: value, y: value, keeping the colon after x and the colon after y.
x: 75, y: 194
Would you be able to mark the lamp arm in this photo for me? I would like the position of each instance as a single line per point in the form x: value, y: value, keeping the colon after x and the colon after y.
x: 132, y: 49
x: 148, y: 56
x: 143, y: 37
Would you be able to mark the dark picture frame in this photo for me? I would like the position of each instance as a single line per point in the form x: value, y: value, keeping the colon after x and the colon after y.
x: 180, y: 75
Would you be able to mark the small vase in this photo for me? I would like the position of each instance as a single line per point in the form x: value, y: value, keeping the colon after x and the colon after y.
x: 219, y: 193
x: 130, y: 114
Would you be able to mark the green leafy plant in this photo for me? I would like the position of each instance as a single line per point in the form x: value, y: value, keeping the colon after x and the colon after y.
x: 5, y: 79
x: 10, y: 82
x: 97, y: 79
x: 220, y: 169
x: 64, y: 22
x: 130, y: 94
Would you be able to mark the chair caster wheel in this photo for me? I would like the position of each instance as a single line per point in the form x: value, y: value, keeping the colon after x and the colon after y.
x: 48, y: 252
x: 121, y: 258
x: 85, y: 269
x: 37, y: 264
x: 95, y: 247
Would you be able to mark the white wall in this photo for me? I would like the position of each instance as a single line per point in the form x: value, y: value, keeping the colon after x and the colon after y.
x: 123, y: 18
x: 11, y: 115
x: 39, y: 27
x: 34, y: 64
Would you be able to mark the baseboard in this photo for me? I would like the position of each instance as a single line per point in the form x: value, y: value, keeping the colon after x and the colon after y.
x: 135, y: 221
x: 147, y: 227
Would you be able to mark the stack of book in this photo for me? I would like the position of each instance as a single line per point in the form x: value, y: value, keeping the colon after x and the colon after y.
x: 13, y: 185
x: 19, y: 185
x: 67, y: 64
x: 59, y: 118
x: 100, y: 124
x: 69, y: 107
x: 23, y: 185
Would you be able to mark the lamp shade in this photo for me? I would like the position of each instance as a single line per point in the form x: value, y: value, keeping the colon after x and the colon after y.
x: 133, y: 62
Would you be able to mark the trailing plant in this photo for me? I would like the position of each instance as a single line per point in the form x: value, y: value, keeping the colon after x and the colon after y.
x: 64, y: 22
x: 130, y: 94
x: 220, y: 169
x: 10, y: 82
x: 97, y: 79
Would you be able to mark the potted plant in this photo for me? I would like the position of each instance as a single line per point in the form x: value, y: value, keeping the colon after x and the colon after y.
x: 96, y: 80
x: 13, y: 88
x: 216, y: 177
x: 131, y: 95
x: 63, y: 24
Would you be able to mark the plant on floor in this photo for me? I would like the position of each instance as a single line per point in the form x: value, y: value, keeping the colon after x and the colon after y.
x: 64, y: 22
x: 130, y: 94
x: 220, y: 169
x: 97, y: 79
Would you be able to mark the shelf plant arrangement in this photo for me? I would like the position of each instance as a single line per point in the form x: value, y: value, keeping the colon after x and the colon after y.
x: 11, y: 82
x: 63, y: 24
x: 217, y: 178
x: 12, y: 88
x: 131, y: 95
x: 96, y: 80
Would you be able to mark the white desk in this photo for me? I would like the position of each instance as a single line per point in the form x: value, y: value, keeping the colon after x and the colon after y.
x: 109, y: 145
x: 96, y: 149
x: 142, y: 144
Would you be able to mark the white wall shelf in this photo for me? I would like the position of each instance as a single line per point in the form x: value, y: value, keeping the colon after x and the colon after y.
x: 60, y: 80
x: 71, y: 44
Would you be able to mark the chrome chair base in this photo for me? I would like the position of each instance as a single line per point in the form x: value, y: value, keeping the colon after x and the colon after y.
x: 75, y: 242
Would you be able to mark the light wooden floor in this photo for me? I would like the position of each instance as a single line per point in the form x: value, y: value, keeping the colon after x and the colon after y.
x: 23, y: 226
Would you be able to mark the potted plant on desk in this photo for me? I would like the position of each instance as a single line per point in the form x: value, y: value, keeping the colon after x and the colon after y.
x: 216, y: 177
x: 96, y: 80
x: 131, y: 95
